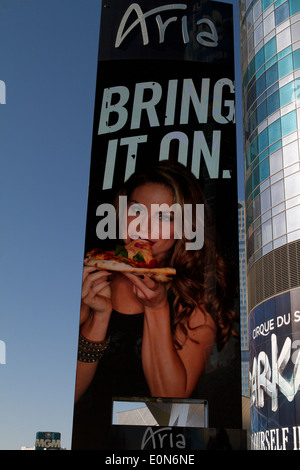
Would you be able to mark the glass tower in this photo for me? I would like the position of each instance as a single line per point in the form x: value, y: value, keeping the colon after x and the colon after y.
x: 270, y: 56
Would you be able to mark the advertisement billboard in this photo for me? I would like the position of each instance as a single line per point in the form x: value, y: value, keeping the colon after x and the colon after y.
x: 47, y: 441
x: 159, y: 312
x: 274, y: 329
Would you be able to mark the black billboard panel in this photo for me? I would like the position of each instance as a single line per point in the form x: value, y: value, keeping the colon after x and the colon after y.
x: 164, y: 135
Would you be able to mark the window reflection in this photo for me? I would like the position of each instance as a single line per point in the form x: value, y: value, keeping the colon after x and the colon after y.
x: 292, y: 185
x: 279, y: 225
x: 282, y: 13
x: 265, y: 200
x: 277, y: 192
x: 267, y: 233
x: 293, y: 219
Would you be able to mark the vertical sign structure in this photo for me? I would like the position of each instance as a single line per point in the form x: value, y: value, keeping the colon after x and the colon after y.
x: 165, y: 91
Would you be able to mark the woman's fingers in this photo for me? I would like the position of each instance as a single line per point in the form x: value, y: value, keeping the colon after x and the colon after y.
x: 96, y: 298
x: 144, y: 282
x: 92, y: 279
x: 90, y: 270
x: 149, y: 292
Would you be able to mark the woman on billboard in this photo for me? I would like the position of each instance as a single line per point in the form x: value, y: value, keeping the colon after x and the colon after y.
x: 152, y: 338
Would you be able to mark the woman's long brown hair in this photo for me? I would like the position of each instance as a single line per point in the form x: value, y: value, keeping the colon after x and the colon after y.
x: 203, y: 278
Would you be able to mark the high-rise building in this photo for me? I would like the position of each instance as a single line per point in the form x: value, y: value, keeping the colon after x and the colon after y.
x: 270, y: 55
x: 243, y: 301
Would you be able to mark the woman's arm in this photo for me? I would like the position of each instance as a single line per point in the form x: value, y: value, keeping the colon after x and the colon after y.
x: 94, y: 318
x: 171, y: 372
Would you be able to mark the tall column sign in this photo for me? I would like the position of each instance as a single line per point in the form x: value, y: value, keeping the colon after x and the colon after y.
x: 159, y: 294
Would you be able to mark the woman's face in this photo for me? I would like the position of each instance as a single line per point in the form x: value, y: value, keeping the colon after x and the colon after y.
x: 147, y: 222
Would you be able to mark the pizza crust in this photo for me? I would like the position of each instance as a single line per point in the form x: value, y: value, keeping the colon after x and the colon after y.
x: 158, y: 274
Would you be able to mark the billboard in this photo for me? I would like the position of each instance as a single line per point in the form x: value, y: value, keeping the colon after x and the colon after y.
x: 162, y: 195
x: 47, y: 441
x: 274, y: 329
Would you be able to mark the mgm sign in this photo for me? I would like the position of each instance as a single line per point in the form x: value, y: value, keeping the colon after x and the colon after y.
x: 47, y: 441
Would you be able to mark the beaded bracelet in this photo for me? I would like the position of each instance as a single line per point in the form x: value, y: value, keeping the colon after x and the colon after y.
x: 89, y: 351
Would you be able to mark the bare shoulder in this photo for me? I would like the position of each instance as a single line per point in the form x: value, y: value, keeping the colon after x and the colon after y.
x: 200, y: 317
x: 201, y: 327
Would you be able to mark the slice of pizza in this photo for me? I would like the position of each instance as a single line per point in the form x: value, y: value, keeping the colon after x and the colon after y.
x: 135, y: 257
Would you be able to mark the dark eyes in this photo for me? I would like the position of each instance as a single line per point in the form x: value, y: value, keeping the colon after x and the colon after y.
x: 140, y: 209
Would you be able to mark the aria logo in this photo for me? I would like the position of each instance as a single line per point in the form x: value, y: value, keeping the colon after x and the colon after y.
x: 207, y: 36
x: 163, y: 437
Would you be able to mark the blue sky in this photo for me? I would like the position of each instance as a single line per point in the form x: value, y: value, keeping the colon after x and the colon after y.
x: 48, y: 61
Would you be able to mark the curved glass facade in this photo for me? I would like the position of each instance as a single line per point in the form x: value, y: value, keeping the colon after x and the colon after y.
x: 270, y: 33
x: 270, y: 48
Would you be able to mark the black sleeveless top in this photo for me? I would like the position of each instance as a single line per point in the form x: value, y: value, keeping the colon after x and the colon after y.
x: 119, y: 374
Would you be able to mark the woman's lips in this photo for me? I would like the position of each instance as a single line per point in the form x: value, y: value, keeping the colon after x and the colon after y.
x: 144, y: 240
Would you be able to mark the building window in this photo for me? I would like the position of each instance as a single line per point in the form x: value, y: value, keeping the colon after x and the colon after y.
x: 274, y: 131
x: 279, y: 226
x: 275, y: 161
x: 271, y: 75
x: 289, y: 92
x: 285, y: 66
x: 294, y: 6
x: 277, y: 192
x: 293, y: 219
x: 283, y: 39
x: 296, y: 59
x: 265, y: 200
x: 262, y: 112
x: 291, y: 154
x: 292, y: 185
x: 270, y: 48
x: 266, y: 4
x: 264, y: 170
x: 282, y: 13
x: 289, y: 123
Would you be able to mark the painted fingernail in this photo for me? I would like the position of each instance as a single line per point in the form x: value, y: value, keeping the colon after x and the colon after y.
x: 141, y: 276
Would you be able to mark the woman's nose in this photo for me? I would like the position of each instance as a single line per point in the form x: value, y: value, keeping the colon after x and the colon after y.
x: 144, y: 226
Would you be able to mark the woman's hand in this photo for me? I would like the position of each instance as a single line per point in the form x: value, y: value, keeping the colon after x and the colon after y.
x: 96, y: 305
x: 96, y: 294
x: 151, y: 294
x: 95, y: 312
